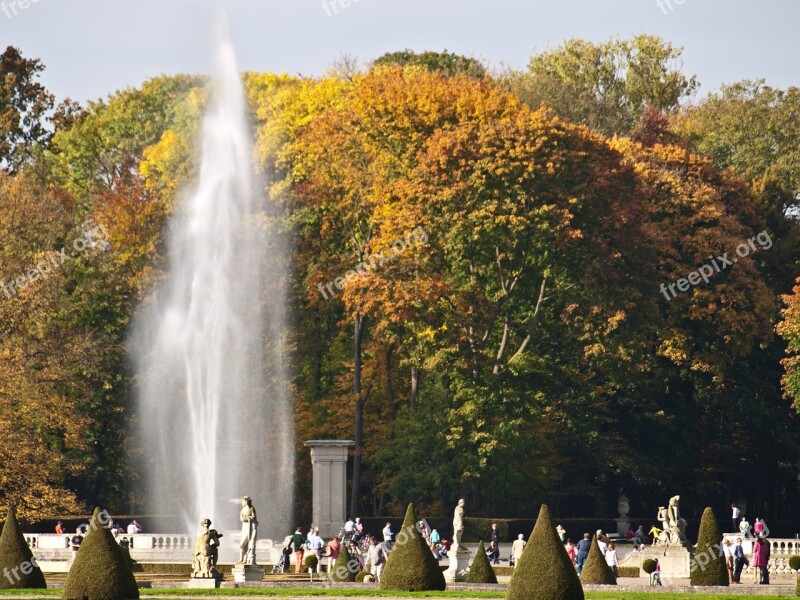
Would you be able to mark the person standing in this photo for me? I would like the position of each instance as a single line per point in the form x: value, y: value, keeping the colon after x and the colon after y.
x: 611, y: 559
x: 59, y: 527
x: 495, y: 544
x: 562, y: 533
x: 387, y: 536
x: 739, y: 561
x: 317, y: 546
x: 570, y: 551
x: 655, y: 576
x: 516, y: 549
x: 582, y: 551
x: 349, y: 528
x: 376, y: 558
x: 297, y: 542
x: 727, y: 552
x: 435, y: 539
x: 735, y: 512
x: 134, y: 528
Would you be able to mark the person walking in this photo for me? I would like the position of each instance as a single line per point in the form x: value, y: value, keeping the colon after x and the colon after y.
x: 735, y: 512
x: 582, y: 549
x: 739, y: 561
x: 516, y: 549
x: 376, y: 558
x: 494, y: 552
x: 297, y: 542
x: 611, y: 559
x: 334, y: 547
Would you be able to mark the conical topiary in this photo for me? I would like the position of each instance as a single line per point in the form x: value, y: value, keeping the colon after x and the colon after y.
x: 345, y: 568
x: 100, y: 570
x: 17, y: 565
x: 595, y: 569
x: 544, y: 571
x: 708, y: 564
x: 411, y: 566
x: 481, y: 570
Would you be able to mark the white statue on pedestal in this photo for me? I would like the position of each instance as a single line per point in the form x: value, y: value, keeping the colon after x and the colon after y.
x: 247, y: 548
x: 458, y: 523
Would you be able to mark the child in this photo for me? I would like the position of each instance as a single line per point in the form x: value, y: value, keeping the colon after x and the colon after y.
x: 655, y: 576
x: 611, y: 558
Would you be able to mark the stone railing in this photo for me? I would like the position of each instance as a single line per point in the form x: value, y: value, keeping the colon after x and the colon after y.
x: 780, y: 550
x: 153, y: 547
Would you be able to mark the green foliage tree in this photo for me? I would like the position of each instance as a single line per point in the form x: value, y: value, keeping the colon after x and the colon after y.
x: 345, y: 568
x: 481, y: 570
x: 17, y: 565
x: 411, y: 566
x: 596, y: 569
x: 310, y: 562
x: 24, y: 108
x: 648, y: 565
x: 101, y: 571
x: 447, y: 63
x: 606, y: 85
x: 544, y: 572
x: 708, y: 564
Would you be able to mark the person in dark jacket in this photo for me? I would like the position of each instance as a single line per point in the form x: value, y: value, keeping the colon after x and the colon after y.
x: 297, y: 542
x: 583, y: 551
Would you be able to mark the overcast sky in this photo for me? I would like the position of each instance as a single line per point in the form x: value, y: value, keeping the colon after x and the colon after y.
x: 93, y: 47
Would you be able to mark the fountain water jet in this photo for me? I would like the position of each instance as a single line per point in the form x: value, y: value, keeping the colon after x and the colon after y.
x: 215, y: 421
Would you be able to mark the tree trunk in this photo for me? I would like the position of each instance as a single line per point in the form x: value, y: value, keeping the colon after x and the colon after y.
x: 358, y: 437
x: 412, y: 399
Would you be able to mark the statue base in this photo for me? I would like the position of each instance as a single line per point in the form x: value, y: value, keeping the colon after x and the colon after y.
x: 205, y: 582
x: 458, y: 557
x: 247, y: 573
x: 675, y: 561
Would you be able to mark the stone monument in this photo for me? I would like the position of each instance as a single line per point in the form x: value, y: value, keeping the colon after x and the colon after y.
x: 246, y: 570
x: 458, y: 556
x: 329, y: 489
x: 670, y: 545
x: 623, y: 508
x: 204, y: 558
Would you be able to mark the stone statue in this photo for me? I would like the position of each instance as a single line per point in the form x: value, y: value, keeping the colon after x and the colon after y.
x: 674, y: 533
x: 247, y: 549
x: 206, y: 552
x: 458, y: 523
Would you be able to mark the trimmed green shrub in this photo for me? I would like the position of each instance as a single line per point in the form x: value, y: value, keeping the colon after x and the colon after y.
x: 481, y: 570
x: 101, y: 570
x: 649, y: 565
x: 360, y: 576
x: 345, y: 567
x: 629, y: 571
x: 17, y: 564
x: 411, y: 566
x: 708, y: 564
x: 544, y: 571
x: 310, y: 562
x: 794, y: 563
x: 596, y: 569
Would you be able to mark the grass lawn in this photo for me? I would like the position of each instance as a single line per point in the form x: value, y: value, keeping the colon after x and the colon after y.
x: 298, y: 592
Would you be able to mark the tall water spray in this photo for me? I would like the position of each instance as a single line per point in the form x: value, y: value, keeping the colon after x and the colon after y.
x: 214, y: 417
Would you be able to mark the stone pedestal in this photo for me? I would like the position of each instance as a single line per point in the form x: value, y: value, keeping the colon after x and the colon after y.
x: 248, y: 573
x: 329, y: 495
x: 205, y: 582
x: 622, y: 527
x: 458, y: 558
x: 675, y: 561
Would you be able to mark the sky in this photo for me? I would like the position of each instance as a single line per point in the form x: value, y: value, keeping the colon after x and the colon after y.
x: 93, y: 47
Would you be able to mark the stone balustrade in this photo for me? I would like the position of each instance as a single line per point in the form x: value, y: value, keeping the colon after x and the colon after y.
x: 152, y: 547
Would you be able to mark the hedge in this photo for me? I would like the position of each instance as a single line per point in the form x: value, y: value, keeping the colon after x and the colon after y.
x: 410, y: 566
x: 17, y: 565
x: 481, y: 569
x: 101, y: 570
x: 708, y: 564
x: 544, y: 571
x: 596, y: 569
